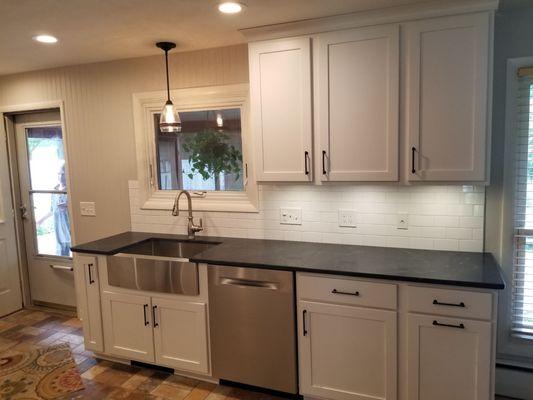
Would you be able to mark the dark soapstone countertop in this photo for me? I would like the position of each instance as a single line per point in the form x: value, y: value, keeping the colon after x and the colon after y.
x: 426, y: 266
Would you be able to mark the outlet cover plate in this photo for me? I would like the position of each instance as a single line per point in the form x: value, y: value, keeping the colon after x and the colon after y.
x: 348, y: 218
x: 88, y: 208
x: 290, y: 216
x: 402, y: 221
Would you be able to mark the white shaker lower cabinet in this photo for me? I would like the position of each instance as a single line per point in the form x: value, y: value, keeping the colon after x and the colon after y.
x: 448, y: 358
x: 180, y: 334
x: 128, y: 326
x: 362, y: 339
x: 86, y: 276
x: 347, y: 352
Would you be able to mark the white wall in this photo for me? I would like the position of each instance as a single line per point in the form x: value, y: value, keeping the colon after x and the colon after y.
x: 440, y: 217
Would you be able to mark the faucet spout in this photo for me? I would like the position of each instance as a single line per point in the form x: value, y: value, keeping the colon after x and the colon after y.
x: 192, y: 228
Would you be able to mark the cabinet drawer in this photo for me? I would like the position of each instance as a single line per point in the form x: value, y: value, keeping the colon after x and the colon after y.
x: 347, y: 291
x: 454, y: 303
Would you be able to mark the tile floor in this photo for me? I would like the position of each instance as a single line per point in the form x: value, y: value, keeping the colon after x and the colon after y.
x: 29, y: 329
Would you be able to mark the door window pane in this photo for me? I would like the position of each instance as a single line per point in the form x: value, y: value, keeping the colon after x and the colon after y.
x: 205, y: 155
x: 52, y: 224
x: 46, y: 157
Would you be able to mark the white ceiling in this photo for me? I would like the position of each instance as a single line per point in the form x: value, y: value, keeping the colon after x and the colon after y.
x: 100, y: 30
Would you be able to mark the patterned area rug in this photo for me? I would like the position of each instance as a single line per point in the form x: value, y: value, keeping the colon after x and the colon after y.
x: 43, y: 374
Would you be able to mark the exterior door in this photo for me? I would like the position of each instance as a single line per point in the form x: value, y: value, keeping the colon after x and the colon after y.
x: 10, y: 289
x: 180, y: 334
x: 448, y: 358
x: 346, y: 352
x: 45, y: 208
x: 128, y: 326
x: 358, y: 89
x: 280, y: 90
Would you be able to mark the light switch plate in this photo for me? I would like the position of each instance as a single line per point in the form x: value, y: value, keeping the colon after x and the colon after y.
x: 403, y: 221
x: 88, y: 208
x: 348, y: 218
x: 290, y: 216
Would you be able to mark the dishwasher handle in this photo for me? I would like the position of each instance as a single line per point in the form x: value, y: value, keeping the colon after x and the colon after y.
x: 249, y: 283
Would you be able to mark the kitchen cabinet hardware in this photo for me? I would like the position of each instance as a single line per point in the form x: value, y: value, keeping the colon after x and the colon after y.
x: 249, y: 282
x: 304, y: 322
x: 154, y: 319
x: 437, y: 323
x: 324, y: 172
x: 306, y: 160
x: 89, y: 268
x: 62, y: 267
x: 413, y: 151
x: 439, y: 303
x: 335, y: 291
x: 145, y: 307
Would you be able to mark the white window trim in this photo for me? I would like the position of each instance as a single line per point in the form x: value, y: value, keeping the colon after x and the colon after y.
x: 145, y: 105
x: 510, y: 348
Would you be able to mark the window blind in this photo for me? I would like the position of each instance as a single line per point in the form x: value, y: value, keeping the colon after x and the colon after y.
x: 522, y: 285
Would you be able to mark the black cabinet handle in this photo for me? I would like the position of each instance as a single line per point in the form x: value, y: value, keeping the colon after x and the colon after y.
x: 306, y: 159
x: 413, y: 150
x: 145, y: 307
x: 439, y: 303
x: 154, y: 308
x: 324, y: 172
x: 460, y: 326
x: 335, y: 291
x: 91, y: 280
x: 304, y: 322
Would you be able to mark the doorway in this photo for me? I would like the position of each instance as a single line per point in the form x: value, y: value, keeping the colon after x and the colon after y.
x: 41, y: 195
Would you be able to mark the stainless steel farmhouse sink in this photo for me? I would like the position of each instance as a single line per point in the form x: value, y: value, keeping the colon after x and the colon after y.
x: 157, y: 265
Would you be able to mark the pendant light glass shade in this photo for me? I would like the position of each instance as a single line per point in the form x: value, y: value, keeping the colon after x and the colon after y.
x: 170, y: 119
x: 169, y: 122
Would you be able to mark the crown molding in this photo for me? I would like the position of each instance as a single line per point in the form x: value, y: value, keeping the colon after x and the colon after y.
x: 388, y: 15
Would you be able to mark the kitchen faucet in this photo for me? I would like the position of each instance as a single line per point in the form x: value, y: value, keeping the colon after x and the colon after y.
x: 191, y: 227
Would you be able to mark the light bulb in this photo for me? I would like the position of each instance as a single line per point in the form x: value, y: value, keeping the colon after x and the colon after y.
x: 230, y: 7
x: 220, y: 120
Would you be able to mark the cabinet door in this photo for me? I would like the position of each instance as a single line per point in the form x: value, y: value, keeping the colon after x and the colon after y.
x: 347, y: 353
x: 180, y: 334
x: 358, y: 90
x: 127, y: 326
x: 448, y: 362
x: 280, y: 89
x: 88, y: 297
x: 447, y: 66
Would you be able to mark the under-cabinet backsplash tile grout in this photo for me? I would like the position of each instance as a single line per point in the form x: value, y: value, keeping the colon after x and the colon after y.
x: 440, y: 217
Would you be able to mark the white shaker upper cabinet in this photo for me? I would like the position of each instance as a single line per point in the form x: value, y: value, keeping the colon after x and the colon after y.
x: 358, y: 86
x: 447, y: 99
x: 280, y: 90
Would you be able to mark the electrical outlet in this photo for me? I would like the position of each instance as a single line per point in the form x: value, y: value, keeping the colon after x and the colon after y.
x: 347, y: 218
x: 290, y: 216
x: 402, y: 221
x: 88, y: 208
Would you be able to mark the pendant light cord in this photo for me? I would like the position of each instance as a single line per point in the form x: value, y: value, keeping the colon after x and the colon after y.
x: 168, y: 81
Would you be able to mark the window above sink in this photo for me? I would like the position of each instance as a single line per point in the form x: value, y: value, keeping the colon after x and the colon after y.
x: 210, y: 157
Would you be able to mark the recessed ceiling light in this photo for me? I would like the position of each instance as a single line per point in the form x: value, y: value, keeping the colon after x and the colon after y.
x: 230, y: 7
x: 45, y: 38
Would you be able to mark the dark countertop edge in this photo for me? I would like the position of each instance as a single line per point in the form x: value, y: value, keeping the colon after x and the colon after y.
x: 445, y: 282
x: 139, y: 237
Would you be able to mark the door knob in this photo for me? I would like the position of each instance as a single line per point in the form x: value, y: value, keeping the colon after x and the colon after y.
x: 23, y: 211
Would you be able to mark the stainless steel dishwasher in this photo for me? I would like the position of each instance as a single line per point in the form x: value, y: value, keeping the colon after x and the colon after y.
x: 252, y: 322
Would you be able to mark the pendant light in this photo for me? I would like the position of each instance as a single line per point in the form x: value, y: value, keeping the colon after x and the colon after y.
x: 169, y: 122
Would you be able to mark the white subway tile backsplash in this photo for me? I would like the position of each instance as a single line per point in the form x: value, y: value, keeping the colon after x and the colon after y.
x: 440, y: 217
